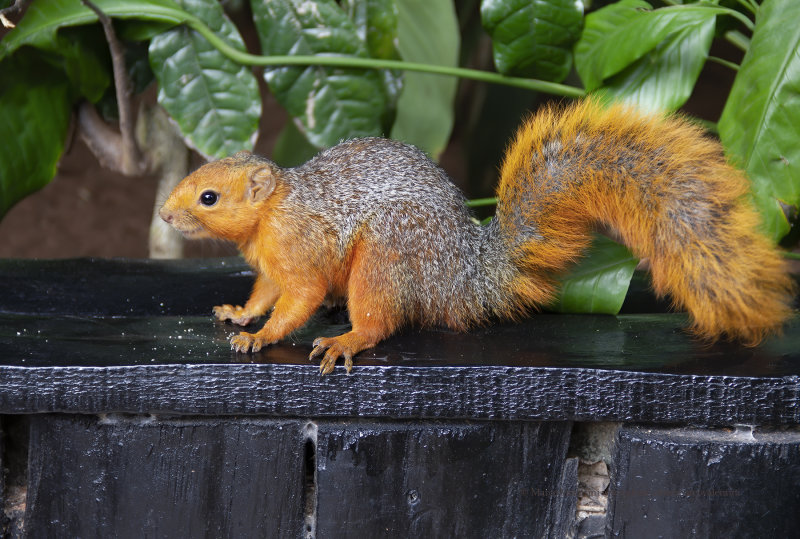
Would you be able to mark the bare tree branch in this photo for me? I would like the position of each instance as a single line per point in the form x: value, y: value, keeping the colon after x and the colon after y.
x: 130, y: 158
x: 104, y: 141
x: 12, y: 11
x: 167, y: 154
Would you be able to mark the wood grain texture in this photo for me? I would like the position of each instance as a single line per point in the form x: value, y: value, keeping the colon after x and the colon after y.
x: 444, y: 479
x: 92, y: 336
x: 705, y: 483
x: 540, y: 394
x: 145, y: 477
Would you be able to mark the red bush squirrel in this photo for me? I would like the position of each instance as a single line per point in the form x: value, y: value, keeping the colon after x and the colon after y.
x: 375, y: 222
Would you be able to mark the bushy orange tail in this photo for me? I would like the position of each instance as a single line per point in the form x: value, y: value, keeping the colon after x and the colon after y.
x: 667, y: 190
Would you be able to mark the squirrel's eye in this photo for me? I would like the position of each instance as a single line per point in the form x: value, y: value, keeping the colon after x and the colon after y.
x: 208, y: 198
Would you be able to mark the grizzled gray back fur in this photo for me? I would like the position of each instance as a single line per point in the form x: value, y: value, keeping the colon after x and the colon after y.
x: 406, y: 205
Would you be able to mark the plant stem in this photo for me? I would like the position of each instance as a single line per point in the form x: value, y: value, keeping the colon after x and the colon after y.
x: 750, y: 25
x: 479, y: 202
x: 245, y: 58
x: 130, y: 159
x: 724, y: 62
x: 19, y: 6
x: 748, y: 5
x: 791, y: 256
x: 738, y: 39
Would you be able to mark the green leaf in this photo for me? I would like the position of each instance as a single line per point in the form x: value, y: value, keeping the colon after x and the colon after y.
x: 44, y: 17
x: 760, y: 125
x: 663, y: 79
x: 615, y: 36
x: 215, y: 101
x: 35, y: 110
x: 331, y: 104
x: 599, y: 282
x: 83, y: 55
x: 533, y: 39
x: 427, y: 33
x: 137, y: 30
x: 376, y: 23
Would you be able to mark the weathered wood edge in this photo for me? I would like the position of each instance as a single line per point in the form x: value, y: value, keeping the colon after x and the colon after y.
x: 505, y: 393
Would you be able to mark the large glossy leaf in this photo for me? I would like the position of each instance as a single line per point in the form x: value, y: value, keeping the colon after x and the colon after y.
x: 428, y: 33
x: 615, y: 36
x: 35, y: 109
x: 760, y: 125
x: 215, y: 101
x: 44, y: 17
x: 330, y: 104
x: 533, y: 39
x: 663, y: 79
x: 376, y: 23
x: 599, y: 282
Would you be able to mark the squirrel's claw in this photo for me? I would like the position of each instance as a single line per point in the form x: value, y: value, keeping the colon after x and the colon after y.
x: 236, y: 314
x: 333, y: 349
x: 247, y: 342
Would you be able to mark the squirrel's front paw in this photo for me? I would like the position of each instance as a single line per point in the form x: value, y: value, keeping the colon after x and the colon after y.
x: 248, y: 342
x: 236, y: 314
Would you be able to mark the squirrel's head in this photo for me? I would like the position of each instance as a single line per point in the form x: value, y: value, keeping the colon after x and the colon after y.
x: 223, y: 199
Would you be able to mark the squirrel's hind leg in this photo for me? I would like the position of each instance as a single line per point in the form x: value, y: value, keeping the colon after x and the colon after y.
x: 373, y: 310
x: 346, y: 345
x: 371, y: 324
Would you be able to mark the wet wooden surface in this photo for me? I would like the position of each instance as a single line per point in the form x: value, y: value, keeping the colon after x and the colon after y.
x: 90, y: 335
x: 123, y: 411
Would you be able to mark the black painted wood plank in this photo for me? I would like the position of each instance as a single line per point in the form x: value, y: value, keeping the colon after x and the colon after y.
x: 443, y: 479
x: 140, y: 477
x: 705, y: 483
x: 404, y: 392
x: 548, y: 367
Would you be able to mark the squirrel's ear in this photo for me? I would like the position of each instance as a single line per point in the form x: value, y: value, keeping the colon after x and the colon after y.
x: 261, y: 183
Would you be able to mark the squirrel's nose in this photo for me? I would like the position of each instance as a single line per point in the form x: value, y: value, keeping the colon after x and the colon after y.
x: 166, y: 215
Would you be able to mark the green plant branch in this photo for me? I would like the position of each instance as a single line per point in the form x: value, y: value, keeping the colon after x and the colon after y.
x: 245, y: 58
x: 726, y: 63
x: 738, y: 40
x: 748, y: 5
x: 791, y: 256
x: 480, y: 202
x: 750, y: 25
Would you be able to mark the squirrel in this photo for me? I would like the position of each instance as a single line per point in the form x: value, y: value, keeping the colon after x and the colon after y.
x: 376, y: 223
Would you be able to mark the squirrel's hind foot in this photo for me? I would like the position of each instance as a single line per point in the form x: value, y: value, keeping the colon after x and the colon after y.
x: 346, y: 346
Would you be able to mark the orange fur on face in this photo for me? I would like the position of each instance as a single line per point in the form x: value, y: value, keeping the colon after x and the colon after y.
x: 232, y: 218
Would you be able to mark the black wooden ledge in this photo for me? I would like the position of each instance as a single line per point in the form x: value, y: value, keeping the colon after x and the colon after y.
x: 92, y: 336
x: 124, y: 413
